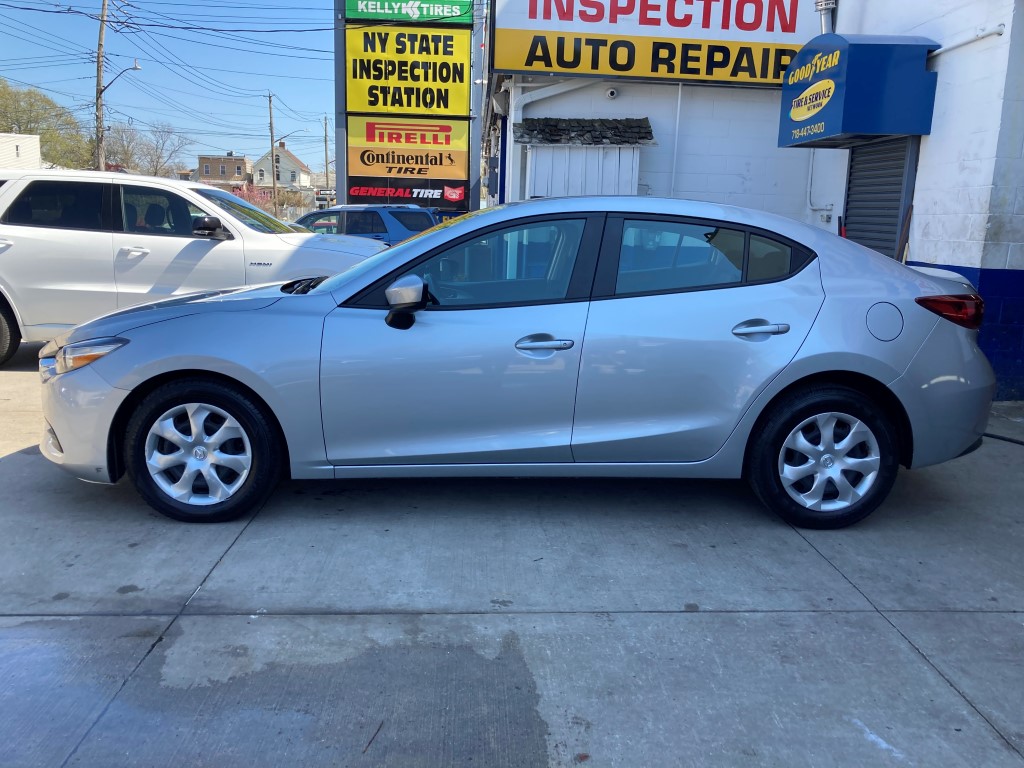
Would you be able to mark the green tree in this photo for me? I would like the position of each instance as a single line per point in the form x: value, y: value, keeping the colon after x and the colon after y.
x: 62, y: 140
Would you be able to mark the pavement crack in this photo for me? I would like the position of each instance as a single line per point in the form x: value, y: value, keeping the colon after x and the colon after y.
x: 953, y: 686
x: 154, y: 644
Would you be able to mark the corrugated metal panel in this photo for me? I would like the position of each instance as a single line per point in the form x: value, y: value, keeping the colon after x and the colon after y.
x: 875, y: 193
x: 558, y: 171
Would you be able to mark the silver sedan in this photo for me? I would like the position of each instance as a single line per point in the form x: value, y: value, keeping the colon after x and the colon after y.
x: 625, y: 337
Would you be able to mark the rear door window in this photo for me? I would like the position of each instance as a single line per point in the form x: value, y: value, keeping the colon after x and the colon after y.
x: 79, y: 205
x: 364, y: 223
x: 151, y: 211
x: 670, y: 256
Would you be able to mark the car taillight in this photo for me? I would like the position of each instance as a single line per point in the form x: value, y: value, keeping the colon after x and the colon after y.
x: 966, y: 310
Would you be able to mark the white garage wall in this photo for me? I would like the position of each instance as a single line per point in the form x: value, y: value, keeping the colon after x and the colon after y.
x: 725, y: 148
x: 966, y: 174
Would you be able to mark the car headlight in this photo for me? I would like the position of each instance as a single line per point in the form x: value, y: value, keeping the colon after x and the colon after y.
x: 73, y: 356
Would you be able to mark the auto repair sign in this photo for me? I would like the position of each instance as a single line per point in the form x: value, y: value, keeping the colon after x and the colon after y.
x: 734, y: 42
x: 408, y: 70
x: 400, y: 147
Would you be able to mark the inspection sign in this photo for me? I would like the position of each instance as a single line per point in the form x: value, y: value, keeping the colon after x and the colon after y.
x: 736, y: 42
x: 408, y: 70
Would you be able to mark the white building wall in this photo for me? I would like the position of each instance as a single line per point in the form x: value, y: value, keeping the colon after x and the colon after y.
x: 958, y: 190
x: 714, y: 144
x: 18, y: 150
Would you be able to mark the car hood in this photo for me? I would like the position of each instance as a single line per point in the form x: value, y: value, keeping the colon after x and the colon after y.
x: 231, y: 300
x: 350, y: 244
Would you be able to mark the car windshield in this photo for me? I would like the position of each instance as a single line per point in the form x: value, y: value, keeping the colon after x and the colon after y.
x: 245, y: 212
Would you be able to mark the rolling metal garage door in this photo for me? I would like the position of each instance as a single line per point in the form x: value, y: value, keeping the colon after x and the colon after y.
x: 878, y: 192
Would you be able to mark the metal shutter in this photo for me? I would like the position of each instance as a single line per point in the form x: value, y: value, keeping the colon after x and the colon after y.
x: 876, y: 194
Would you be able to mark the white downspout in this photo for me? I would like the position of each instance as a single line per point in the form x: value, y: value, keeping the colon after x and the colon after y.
x: 675, y: 144
x: 518, y: 100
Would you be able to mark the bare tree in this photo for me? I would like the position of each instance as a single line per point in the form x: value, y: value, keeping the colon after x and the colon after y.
x: 124, y: 146
x: 160, y: 153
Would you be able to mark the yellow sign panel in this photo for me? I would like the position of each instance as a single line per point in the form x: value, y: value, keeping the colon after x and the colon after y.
x: 668, y: 58
x: 408, y: 71
x: 403, y: 147
x: 812, y: 100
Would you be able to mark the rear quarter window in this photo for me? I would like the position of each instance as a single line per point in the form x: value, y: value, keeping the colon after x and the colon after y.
x: 59, y: 205
x: 414, y: 221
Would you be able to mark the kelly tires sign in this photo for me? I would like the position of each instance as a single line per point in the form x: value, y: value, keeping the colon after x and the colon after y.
x: 413, y: 11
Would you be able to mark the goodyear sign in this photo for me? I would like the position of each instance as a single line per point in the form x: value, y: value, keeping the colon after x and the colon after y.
x: 736, y: 42
x: 408, y: 70
x: 841, y: 90
x: 415, y: 11
x: 403, y: 147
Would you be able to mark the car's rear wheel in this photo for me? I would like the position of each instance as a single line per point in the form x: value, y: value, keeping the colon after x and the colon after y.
x: 10, y: 335
x: 824, y: 458
x: 202, y: 451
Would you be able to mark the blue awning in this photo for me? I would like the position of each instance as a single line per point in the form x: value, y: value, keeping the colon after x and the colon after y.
x: 842, y: 90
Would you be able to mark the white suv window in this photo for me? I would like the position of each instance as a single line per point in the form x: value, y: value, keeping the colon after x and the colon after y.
x: 157, y: 212
x: 61, y: 205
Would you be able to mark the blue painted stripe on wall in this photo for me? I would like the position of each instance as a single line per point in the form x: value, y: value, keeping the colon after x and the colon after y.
x: 1002, y: 334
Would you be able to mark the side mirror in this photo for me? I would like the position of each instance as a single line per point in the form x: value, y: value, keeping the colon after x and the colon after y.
x: 405, y: 296
x: 210, y: 226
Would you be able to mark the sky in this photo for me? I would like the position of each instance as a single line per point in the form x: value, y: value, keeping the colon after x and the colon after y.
x: 207, y: 68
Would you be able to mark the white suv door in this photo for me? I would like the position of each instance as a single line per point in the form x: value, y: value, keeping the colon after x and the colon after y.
x: 55, y: 239
x: 156, y: 254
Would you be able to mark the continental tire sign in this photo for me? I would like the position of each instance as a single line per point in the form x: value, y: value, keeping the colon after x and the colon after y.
x: 408, y: 71
x: 737, y: 42
x: 403, y: 147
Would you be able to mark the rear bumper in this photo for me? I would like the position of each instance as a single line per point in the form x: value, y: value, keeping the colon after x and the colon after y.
x: 79, y: 408
x: 947, y: 392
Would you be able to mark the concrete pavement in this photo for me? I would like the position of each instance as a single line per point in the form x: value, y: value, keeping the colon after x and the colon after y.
x: 509, y: 622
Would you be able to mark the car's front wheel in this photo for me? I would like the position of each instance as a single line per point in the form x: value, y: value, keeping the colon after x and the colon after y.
x: 202, y: 451
x: 824, y: 458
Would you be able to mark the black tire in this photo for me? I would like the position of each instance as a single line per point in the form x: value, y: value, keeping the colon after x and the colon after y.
x: 244, y: 471
x: 825, y: 487
x: 10, y: 334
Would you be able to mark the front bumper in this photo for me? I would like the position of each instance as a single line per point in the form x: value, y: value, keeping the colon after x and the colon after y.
x: 79, y: 408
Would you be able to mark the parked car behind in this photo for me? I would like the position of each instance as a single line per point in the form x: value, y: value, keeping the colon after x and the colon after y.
x: 587, y: 336
x: 78, y: 244
x: 388, y: 223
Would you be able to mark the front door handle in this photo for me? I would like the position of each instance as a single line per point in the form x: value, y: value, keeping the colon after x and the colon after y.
x: 529, y: 343
x: 134, y: 253
x: 4, y: 242
x: 760, y: 328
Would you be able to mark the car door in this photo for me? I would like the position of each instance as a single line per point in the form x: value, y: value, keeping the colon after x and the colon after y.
x: 690, y: 321
x: 487, y: 374
x: 156, y: 254
x: 366, y: 224
x: 55, y: 242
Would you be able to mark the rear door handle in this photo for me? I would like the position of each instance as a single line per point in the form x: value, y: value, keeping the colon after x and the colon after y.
x: 760, y: 327
x: 531, y: 344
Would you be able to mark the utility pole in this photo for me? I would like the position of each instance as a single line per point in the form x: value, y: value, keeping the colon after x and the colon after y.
x: 101, y: 155
x: 273, y: 163
x: 327, y: 167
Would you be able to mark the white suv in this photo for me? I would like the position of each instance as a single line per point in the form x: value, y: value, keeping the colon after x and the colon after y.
x: 78, y: 244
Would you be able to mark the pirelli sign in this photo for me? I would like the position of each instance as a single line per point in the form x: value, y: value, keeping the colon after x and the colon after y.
x: 733, y: 42
x: 399, y: 148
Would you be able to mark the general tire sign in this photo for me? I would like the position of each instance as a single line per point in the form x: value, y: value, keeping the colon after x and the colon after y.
x: 736, y: 42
